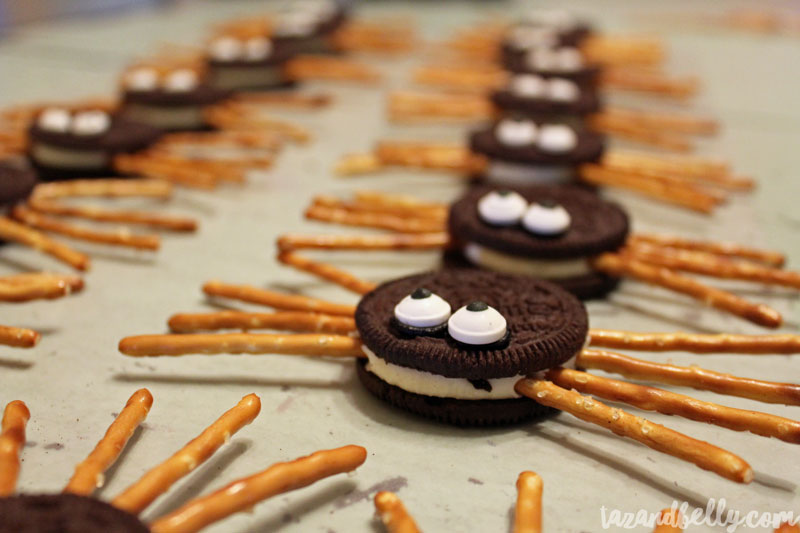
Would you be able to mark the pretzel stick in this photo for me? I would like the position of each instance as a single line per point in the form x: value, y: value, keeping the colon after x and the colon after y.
x: 158, y: 480
x: 37, y: 286
x: 288, y: 302
x: 696, y: 342
x: 107, y: 188
x: 18, y: 337
x: 650, y: 82
x: 267, y: 140
x: 326, y: 271
x: 669, y: 521
x: 671, y: 403
x: 394, y: 241
x: 683, y: 195
x: 282, y: 320
x: 393, y: 514
x: 364, y: 206
x: 622, y: 50
x: 88, y: 475
x: 633, y: 130
x: 405, y: 105
x: 330, y: 68
x: 692, y: 376
x: 528, y: 512
x: 244, y: 493
x: 228, y: 119
x: 284, y: 99
x: 368, y: 219
x: 13, y: 231
x: 155, y: 220
x: 428, y: 155
x: 242, y: 343
x: 153, y: 167
x: 655, y: 436
x: 469, y: 78
x: 676, y: 123
x: 775, y: 259
x: 12, y: 439
x: 404, y: 202
x: 682, y: 165
x: 616, y: 265
x: 121, y: 237
x: 354, y: 164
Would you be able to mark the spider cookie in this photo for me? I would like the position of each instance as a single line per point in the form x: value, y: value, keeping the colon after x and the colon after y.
x: 451, y: 345
x: 552, y: 99
x: 546, y: 232
x: 556, y: 61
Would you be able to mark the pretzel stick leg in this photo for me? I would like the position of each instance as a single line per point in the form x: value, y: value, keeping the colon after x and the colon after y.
x: 18, y: 337
x: 107, y: 188
x: 400, y: 224
x: 669, y: 521
x: 283, y: 320
x: 37, y: 285
x: 289, y: 302
x: 158, y: 480
x: 528, y: 512
x: 245, y: 493
x: 775, y: 259
x: 394, y: 241
x: 88, y: 475
x: 328, y: 272
x: 655, y: 436
x: 242, y: 343
x: 617, y: 265
x: 154, y: 220
x: 12, y: 438
x: 14, y: 231
x: 692, y: 376
x: 695, y: 342
x: 393, y: 513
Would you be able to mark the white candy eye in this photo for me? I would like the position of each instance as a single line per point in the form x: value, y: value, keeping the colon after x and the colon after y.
x: 557, y: 138
x: 296, y: 24
x: 181, y: 81
x: 477, y: 324
x: 516, y: 132
x: 562, y: 90
x: 502, y: 208
x: 54, y: 119
x: 226, y: 49
x: 569, y: 59
x: 546, y: 219
x: 142, y: 79
x: 257, y: 48
x: 527, y: 37
x: 544, y: 59
x: 422, y: 309
x: 90, y: 122
x: 529, y: 85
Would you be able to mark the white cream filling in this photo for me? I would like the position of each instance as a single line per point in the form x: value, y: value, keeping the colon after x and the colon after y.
x: 54, y: 156
x: 540, y: 268
x: 247, y: 77
x: 506, y: 173
x: 185, y: 117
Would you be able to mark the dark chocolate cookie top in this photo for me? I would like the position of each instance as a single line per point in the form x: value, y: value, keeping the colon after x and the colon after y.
x: 596, y: 225
x: 511, y: 103
x: 202, y: 95
x: 122, y: 135
x: 64, y: 513
x: 16, y: 183
x: 546, y: 324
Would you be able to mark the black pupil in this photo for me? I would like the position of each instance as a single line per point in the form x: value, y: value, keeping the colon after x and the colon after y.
x: 504, y: 192
x: 477, y: 306
x: 549, y: 203
x: 420, y: 293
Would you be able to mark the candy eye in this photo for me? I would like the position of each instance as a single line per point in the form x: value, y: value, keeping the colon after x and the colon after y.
x: 226, y: 49
x: 557, y: 138
x: 422, y: 310
x: 296, y: 24
x: 257, y: 48
x: 516, y: 132
x: 569, y: 59
x: 142, y: 79
x: 527, y: 37
x: 546, y: 219
x: 563, y: 90
x: 55, y: 119
x: 477, y: 324
x: 502, y: 208
x: 182, y: 80
x: 543, y: 59
x: 90, y: 122
x: 529, y: 86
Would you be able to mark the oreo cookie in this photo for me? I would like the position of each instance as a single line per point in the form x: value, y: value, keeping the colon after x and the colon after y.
x: 64, y: 513
x: 440, y: 377
x: 593, y: 226
x: 256, y: 63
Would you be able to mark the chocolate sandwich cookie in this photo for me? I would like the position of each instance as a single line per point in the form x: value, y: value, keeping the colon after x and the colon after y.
x: 522, y: 151
x: 558, y: 62
x: 307, y: 27
x: 64, y: 513
x: 67, y: 144
x: 497, y: 328
x: 541, y: 231
x: 253, y: 63
x: 546, y: 99
x: 539, y: 30
x: 16, y: 183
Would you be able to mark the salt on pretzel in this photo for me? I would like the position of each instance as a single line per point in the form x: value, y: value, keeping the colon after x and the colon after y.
x: 301, y: 321
x: 309, y: 67
x: 227, y: 118
x: 618, y: 265
x: 88, y: 474
x: 785, y: 343
x: 246, y: 492
x: 37, y: 285
x: 768, y: 257
x: 394, y: 241
x: 669, y: 521
x: 310, y: 344
x: 393, y: 514
x: 12, y: 439
x: 430, y: 155
x: 528, y: 511
x: 138, y: 496
x: 671, y: 403
x: 692, y: 376
x: 105, y: 188
x: 151, y: 165
x: 407, y: 106
x: 655, y: 436
x: 16, y: 232
x: 362, y: 204
x: 367, y: 219
x: 18, y: 337
x: 276, y: 300
x: 121, y: 237
x: 327, y: 272
x: 404, y: 202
